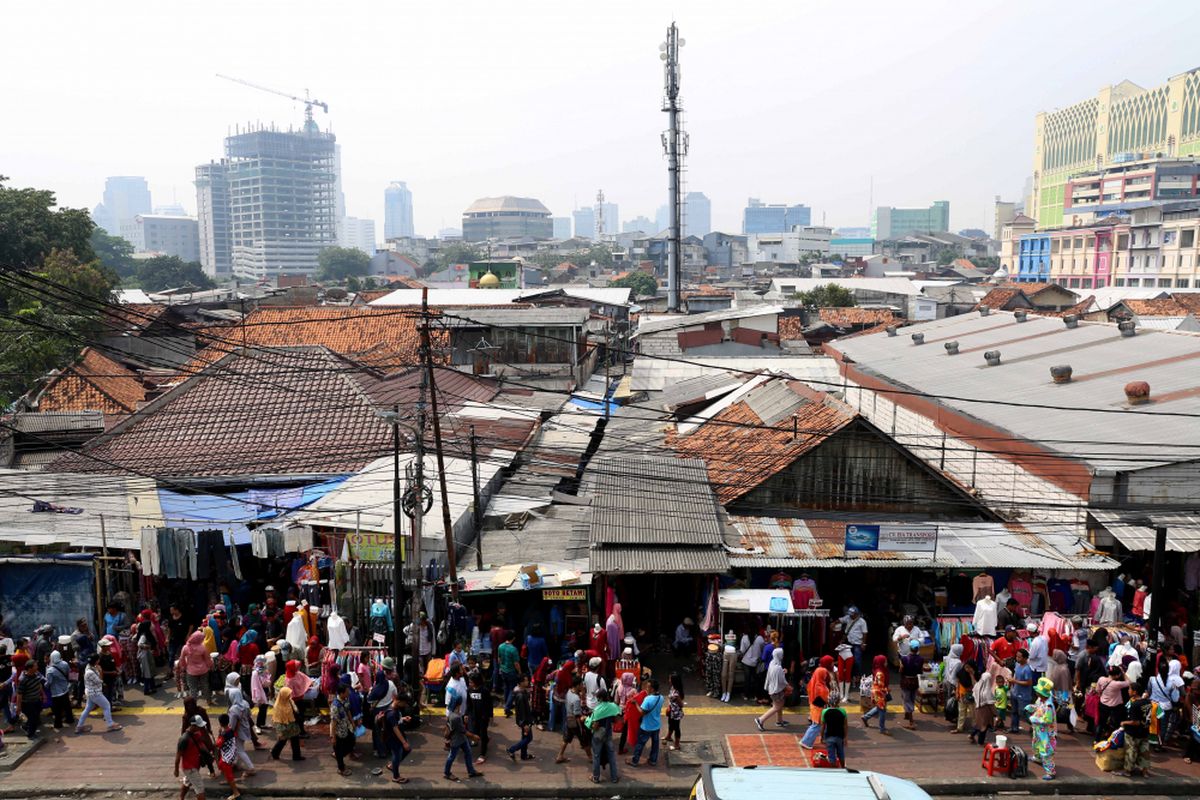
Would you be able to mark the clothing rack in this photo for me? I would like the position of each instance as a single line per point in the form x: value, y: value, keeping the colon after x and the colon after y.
x: 949, y: 628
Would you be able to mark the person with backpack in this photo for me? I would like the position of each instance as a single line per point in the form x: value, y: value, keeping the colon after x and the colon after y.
x: 524, y: 720
x: 651, y: 725
x: 834, y: 729
x: 600, y: 723
x: 189, y: 754
x: 1137, y: 734
x: 1043, y: 719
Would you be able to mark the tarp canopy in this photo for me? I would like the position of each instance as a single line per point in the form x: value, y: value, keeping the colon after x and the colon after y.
x: 234, y: 511
x: 756, y: 601
x: 36, y: 590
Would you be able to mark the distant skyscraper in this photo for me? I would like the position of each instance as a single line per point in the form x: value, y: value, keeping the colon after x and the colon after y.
x: 212, y: 209
x: 896, y: 223
x: 643, y: 224
x: 339, y: 195
x: 279, y: 189
x: 171, y: 210
x: 662, y: 219
x: 397, y: 211
x: 697, y: 215
x: 359, y: 234
x: 125, y: 196
x: 168, y: 235
x: 585, y: 223
x: 562, y: 227
x: 758, y: 217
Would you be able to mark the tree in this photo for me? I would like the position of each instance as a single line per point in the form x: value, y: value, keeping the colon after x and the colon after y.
x: 599, y: 253
x: 50, y: 313
x: 457, y: 253
x: 340, y: 263
x: 171, y: 272
x: 828, y: 296
x: 114, y: 253
x: 31, y: 227
x: 643, y: 285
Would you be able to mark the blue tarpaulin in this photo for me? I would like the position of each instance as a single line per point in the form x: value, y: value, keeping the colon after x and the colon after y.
x: 36, y: 590
x: 233, y: 511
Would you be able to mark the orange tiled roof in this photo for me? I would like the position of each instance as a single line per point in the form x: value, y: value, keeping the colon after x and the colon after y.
x: 999, y: 297
x: 1080, y: 308
x: 791, y: 328
x: 388, y: 338
x: 1156, y: 307
x: 849, y: 317
x: 131, y: 318
x: 1189, y: 300
x: 93, y: 383
x: 741, y: 453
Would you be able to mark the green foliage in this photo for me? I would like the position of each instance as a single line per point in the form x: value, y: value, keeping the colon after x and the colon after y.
x: 171, y: 272
x: 598, y: 253
x: 50, y: 314
x: 643, y: 285
x: 458, y: 253
x: 828, y: 296
x: 114, y: 253
x: 946, y: 256
x: 31, y: 227
x: 340, y: 263
x: 986, y: 263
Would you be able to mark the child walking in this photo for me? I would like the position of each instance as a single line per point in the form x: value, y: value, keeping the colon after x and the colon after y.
x: 227, y: 749
x: 674, y: 709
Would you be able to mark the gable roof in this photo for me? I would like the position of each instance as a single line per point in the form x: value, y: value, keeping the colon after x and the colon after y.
x: 93, y: 383
x: 131, y: 319
x: 849, y: 317
x: 761, y: 434
x: 1158, y: 307
x: 297, y: 411
x: 1001, y: 297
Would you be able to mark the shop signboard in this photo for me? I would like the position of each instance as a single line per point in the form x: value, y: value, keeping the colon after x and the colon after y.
x: 373, y: 546
x: 890, y: 539
x: 565, y: 593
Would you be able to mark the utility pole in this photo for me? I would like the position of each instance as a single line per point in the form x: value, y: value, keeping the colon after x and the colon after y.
x: 607, y: 364
x: 675, y: 144
x: 1158, y: 602
x: 397, y: 543
x: 447, y: 526
x: 476, y: 515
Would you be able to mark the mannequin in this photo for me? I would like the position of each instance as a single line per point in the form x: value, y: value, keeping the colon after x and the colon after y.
x: 1139, y: 601
x: 1002, y: 597
x: 381, y: 616
x: 804, y: 591
x: 728, y: 665
x: 338, y: 637
x: 1108, y: 609
x: 845, y: 668
x: 985, y: 616
x: 297, y: 634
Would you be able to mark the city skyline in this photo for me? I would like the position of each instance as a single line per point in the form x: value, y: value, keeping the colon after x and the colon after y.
x: 969, y: 141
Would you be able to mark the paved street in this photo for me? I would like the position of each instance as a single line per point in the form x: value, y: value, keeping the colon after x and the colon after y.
x: 139, y: 759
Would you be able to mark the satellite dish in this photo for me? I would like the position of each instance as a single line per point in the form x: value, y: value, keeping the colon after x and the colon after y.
x: 682, y: 42
x: 663, y: 46
x: 662, y: 56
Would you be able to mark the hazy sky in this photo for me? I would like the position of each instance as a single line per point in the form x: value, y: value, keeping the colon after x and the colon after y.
x: 785, y: 101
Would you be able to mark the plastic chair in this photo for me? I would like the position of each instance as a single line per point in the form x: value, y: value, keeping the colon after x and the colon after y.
x: 995, y: 759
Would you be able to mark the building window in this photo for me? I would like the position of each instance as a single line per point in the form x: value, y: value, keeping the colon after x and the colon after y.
x: 1123, y: 241
x: 1182, y: 283
x: 1119, y: 282
x: 1164, y: 283
x: 1187, y: 238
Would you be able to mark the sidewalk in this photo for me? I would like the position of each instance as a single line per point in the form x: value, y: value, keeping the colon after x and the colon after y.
x: 139, y: 760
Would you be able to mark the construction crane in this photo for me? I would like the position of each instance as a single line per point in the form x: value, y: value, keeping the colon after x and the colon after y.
x: 308, y: 103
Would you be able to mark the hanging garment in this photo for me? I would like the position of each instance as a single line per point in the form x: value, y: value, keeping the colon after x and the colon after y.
x: 982, y: 586
x: 168, y: 552
x: 149, y: 547
x: 297, y: 634
x: 1108, y: 609
x: 233, y: 559
x: 804, y: 591
x: 336, y: 626
x: 1139, y: 602
x: 381, y: 617
x: 258, y: 543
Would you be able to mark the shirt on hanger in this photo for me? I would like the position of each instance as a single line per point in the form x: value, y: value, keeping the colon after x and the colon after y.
x: 982, y: 586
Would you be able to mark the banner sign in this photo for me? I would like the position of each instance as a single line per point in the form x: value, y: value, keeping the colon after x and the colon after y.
x: 575, y: 593
x: 373, y: 546
x: 890, y: 539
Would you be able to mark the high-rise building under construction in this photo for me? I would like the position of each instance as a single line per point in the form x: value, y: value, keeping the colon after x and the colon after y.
x: 270, y: 206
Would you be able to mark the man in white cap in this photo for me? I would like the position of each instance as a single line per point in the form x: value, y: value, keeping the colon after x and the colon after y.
x: 685, y: 642
x: 855, y: 627
x: 1039, y: 651
x: 188, y: 755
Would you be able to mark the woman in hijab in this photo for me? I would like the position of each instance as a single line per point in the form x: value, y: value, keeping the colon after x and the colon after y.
x: 196, y: 664
x: 379, y: 700
x: 615, y: 629
x: 880, y: 692
x: 287, y: 723
x: 239, y: 721
x: 1060, y: 675
x: 303, y: 687
x: 630, y: 701
x: 984, y: 694
x: 820, y: 684
x: 261, y: 689
x: 1191, y: 707
x: 950, y: 671
x: 775, y: 687
x: 312, y: 657
x: 248, y: 650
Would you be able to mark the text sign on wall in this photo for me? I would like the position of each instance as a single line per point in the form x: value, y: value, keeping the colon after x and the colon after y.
x: 890, y: 539
x: 577, y: 593
x: 373, y: 546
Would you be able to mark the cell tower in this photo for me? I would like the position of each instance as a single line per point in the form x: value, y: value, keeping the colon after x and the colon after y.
x: 675, y: 145
x: 599, y: 215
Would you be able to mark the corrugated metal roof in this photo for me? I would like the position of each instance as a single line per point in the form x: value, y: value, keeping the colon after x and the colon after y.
x: 647, y: 500
x: 776, y: 542
x: 883, y: 285
x: 648, y: 324
x: 697, y: 389
x: 774, y: 401
x: 656, y: 374
x: 440, y: 298
x: 630, y: 560
x: 558, y: 534
x: 59, y: 421
x: 126, y: 504
x: 514, y: 317
x: 1103, y: 362
x: 1183, y: 530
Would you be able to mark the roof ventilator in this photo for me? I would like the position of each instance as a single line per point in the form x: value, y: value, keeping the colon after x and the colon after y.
x: 993, y: 358
x: 951, y: 348
x: 891, y: 330
x: 1071, y: 321
x: 1061, y: 373
x: 984, y: 311
x: 1127, y: 328
x: 918, y: 338
x: 1020, y: 316
x: 1137, y: 392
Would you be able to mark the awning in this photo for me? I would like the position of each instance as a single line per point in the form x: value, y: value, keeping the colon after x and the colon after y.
x: 1132, y: 531
x: 234, y: 511
x: 638, y: 560
x: 787, y: 543
x: 756, y: 601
